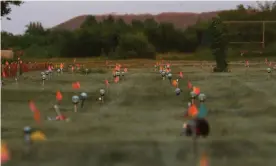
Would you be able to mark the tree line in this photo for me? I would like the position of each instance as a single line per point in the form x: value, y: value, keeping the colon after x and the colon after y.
x: 113, y: 38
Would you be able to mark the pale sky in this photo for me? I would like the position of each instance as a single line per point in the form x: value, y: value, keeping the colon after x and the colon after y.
x: 51, y: 13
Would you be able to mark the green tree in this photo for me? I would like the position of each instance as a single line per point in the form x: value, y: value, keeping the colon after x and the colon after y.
x: 35, y: 28
x: 89, y: 21
x: 6, y: 7
x: 135, y: 46
x: 219, y: 43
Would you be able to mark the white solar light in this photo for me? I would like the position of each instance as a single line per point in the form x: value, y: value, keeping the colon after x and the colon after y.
x: 102, y: 91
x: 75, y: 99
x: 202, y: 97
x: 43, y: 77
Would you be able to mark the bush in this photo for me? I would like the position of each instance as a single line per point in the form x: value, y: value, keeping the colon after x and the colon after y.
x: 135, y: 46
x: 37, y: 51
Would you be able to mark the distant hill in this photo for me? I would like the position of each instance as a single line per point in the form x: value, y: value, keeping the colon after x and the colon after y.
x: 180, y: 20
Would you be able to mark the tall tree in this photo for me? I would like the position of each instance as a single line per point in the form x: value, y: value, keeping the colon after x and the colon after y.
x: 35, y: 28
x: 6, y: 8
x: 219, y: 43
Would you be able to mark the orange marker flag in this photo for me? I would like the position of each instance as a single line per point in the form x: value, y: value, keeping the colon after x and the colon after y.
x: 58, y: 96
x: 5, y: 155
x: 192, y: 111
x: 76, y: 85
x: 203, y: 160
x: 37, y: 117
x: 175, y: 83
x: 181, y: 74
x: 196, y: 90
x: 35, y: 111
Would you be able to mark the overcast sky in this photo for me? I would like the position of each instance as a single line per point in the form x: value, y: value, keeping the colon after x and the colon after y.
x: 51, y: 13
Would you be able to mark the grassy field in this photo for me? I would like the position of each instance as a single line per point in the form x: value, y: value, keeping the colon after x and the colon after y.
x: 140, y: 122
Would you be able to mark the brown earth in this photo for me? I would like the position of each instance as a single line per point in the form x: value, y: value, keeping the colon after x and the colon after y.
x: 180, y: 20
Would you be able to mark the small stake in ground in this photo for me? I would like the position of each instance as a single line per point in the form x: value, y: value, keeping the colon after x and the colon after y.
x: 50, y: 74
x: 58, y: 71
x: 86, y: 71
x: 193, y: 97
x: 9, y: 69
x: 117, y: 73
x: 177, y: 81
x: 163, y: 74
x: 57, y: 110
x: 102, y: 92
x: 170, y: 77
x: 47, y: 74
x: 75, y: 100
x: 27, y: 137
x: 269, y: 72
x: 123, y: 74
x: 83, y: 97
x: 43, y: 77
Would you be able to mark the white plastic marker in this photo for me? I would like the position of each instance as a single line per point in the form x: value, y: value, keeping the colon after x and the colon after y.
x: 118, y: 73
x: 43, y: 77
x: 57, y: 110
x: 75, y: 100
x: 86, y: 71
x: 163, y: 74
x: 83, y: 97
x: 102, y: 92
x: 58, y: 71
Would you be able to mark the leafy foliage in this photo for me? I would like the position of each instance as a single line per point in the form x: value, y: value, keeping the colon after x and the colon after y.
x: 219, y: 43
x: 6, y: 8
x: 113, y: 38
